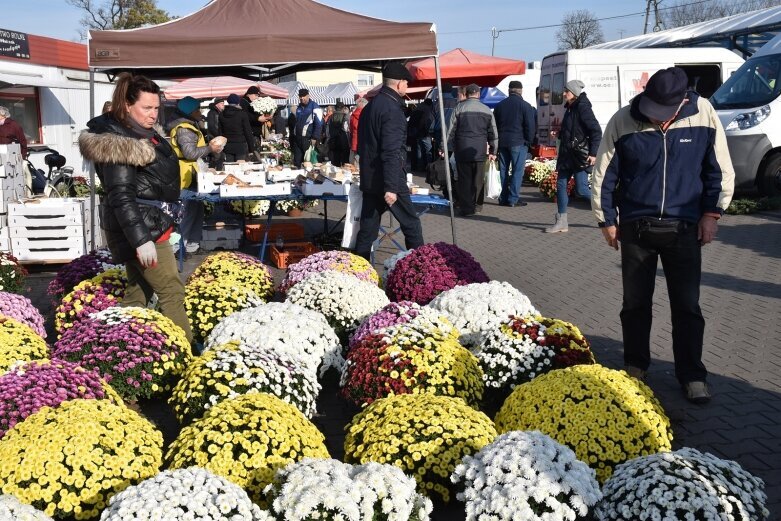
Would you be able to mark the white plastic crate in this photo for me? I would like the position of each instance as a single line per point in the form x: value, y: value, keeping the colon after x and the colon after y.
x: 11, y: 161
x: 44, y: 230
x: 46, y: 249
x: 5, y: 240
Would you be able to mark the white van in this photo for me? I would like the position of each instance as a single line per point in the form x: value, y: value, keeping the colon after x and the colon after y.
x: 749, y: 107
x: 614, y: 76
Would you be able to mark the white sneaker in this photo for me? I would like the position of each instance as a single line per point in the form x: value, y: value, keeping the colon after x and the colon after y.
x: 191, y: 247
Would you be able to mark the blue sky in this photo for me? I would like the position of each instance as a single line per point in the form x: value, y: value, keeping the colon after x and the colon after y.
x: 460, y: 23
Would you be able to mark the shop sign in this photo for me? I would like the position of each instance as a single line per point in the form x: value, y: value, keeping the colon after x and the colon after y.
x: 14, y: 44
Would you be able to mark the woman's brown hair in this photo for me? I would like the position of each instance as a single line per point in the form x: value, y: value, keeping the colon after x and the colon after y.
x: 127, y: 91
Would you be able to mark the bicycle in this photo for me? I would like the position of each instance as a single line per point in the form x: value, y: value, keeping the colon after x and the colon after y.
x: 57, y: 182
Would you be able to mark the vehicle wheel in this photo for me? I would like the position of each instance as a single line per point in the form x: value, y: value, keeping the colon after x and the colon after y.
x: 770, y: 183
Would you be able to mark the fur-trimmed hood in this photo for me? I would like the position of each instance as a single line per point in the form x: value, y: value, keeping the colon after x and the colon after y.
x: 107, y: 141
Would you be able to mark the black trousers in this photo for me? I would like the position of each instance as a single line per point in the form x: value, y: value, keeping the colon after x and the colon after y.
x: 681, y: 257
x: 299, y: 145
x: 372, y: 209
x: 470, y: 185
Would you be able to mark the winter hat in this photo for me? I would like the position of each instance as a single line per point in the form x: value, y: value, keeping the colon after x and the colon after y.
x: 663, y: 94
x: 396, y: 71
x: 253, y: 90
x: 234, y: 99
x: 575, y: 87
x: 188, y: 105
x: 219, y: 100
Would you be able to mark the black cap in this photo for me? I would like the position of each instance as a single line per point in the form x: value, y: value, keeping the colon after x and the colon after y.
x: 303, y: 92
x: 218, y: 100
x: 339, y: 105
x: 253, y: 90
x: 395, y: 71
x: 663, y: 94
x: 515, y: 84
x: 472, y: 88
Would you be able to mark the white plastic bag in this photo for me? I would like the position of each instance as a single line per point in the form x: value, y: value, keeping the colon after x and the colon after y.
x: 493, y: 182
x: 352, y: 220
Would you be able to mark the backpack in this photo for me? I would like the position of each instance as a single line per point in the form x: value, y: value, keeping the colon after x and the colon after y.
x: 436, y: 177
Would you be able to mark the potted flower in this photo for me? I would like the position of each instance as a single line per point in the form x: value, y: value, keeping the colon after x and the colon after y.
x: 246, y: 439
x: 179, y: 493
x: 285, y: 328
x: 538, y: 170
x: 327, y: 488
x: 684, y: 484
x: 345, y: 300
x: 12, y: 274
x: 532, y: 477
x: 477, y: 309
x: 400, y: 313
x: 209, y: 300
x: 101, y: 292
x: 14, y: 510
x: 390, y: 263
x: 233, y: 369
x: 92, y: 450
x: 140, y: 352
x: 240, y: 268
x: 19, y: 343
x: 21, y: 308
x: 78, y: 270
x: 431, y: 269
x: 341, y: 261
x: 28, y: 387
x: 424, y: 435
x: 548, y: 185
x: 249, y: 209
x: 605, y: 416
x: 411, y: 358
x: 295, y: 207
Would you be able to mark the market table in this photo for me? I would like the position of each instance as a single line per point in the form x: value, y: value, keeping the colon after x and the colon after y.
x: 424, y: 202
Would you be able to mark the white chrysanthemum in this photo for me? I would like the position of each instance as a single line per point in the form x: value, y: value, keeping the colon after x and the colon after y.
x: 283, y: 327
x: 663, y: 485
x: 390, y: 263
x: 183, y: 494
x: 475, y: 309
x: 526, y: 475
x: 344, y: 300
x: 11, y: 509
x: 509, y: 360
x: 355, y: 492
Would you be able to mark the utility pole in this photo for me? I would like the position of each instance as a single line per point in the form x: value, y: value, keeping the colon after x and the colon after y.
x: 657, y: 20
x: 494, y: 35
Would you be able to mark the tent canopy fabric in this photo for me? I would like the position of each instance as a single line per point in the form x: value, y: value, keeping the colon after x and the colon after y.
x: 464, y: 67
x: 246, y: 38
x: 322, y: 95
x: 491, y: 96
x: 222, y: 86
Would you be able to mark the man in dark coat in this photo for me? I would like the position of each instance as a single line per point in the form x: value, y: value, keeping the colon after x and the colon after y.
x: 515, y: 121
x: 382, y: 136
x: 213, y: 118
x: 237, y: 129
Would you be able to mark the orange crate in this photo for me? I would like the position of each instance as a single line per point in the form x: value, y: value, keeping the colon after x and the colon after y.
x: 291, y: 253
x: 543, y: 152
x: 289, y: 232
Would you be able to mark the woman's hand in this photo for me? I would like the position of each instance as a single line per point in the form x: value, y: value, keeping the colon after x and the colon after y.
x: 147, y: 254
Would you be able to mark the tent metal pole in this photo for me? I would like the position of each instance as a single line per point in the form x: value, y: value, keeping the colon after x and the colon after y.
x: 443, y: 125
x: 91, y: 166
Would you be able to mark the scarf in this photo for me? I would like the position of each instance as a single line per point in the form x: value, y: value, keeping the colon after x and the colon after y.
x: 145, y: 133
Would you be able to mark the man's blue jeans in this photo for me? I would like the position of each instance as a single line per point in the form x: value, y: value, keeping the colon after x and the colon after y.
x: 511, y: 184
x: 581, y: 188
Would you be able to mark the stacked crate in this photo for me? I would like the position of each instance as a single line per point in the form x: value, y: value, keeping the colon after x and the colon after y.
x: 11, y: 187
x: 51, y: 230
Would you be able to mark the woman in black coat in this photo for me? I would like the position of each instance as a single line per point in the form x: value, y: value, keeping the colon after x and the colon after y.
x: 139, y: 172
x: 235, y: 126
x: 579, y: 140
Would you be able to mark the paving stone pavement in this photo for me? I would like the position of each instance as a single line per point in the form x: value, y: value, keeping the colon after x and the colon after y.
x: 576, y: 276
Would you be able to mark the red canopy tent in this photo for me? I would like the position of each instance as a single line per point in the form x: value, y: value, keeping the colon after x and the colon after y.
x: 222, y: 86
x: 462, y: 67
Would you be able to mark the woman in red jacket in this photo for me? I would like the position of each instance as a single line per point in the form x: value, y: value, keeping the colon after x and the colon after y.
x: 356, y: 115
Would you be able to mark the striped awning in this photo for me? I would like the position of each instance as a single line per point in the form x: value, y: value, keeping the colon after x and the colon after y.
x: 222, y: 86
x: 320, y: 94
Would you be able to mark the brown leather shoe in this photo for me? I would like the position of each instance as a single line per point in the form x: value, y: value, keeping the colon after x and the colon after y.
x: 635, y: 372
x: 697, y: 392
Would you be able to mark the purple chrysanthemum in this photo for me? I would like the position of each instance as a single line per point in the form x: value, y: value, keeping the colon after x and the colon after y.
x: 22, y: 309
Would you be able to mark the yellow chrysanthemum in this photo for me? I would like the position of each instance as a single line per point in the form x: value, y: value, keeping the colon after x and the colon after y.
x: 240, y: 268
x: 19, y: 343
x: 604, y: 415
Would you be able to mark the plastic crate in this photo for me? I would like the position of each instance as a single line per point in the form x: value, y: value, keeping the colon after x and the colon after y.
x: 543, y: 152
x: 289, y: 232
x: 291, y: 253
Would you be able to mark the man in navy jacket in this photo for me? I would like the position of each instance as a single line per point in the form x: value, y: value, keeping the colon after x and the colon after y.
x: 662, y: 179
x: 382, y: 139
x: 309, y: 126
x: 515, y: 121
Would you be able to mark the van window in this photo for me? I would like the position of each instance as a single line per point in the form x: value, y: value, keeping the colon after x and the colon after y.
x: 557, y: 91
x: 544, y: 88
x: 703, y: 79
x: 757, y: 82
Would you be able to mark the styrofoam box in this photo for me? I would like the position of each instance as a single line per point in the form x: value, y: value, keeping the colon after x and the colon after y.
x: 325, y: 188
x: 255, y: 191
x: 224, y: 233
x: 11, y: 160
x: 220, y: 244
x: 11, y: 190
x: 286, y: 174
x: 238, y: 168
x: 209, y: 182
x: 3, y: 221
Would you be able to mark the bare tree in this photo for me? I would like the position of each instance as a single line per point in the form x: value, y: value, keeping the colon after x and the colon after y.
x: 685, y: 12
x: 118, y: 14
x: 579, y: 29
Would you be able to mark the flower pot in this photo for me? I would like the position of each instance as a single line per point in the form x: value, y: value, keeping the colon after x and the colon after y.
x: 295, y: 212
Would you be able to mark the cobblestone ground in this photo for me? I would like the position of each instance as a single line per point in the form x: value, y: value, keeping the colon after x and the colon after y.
x: 576, y: 277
